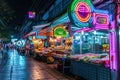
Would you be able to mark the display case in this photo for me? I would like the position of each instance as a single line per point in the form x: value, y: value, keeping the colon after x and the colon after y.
x: 94, y: 48
x: 93, y: 62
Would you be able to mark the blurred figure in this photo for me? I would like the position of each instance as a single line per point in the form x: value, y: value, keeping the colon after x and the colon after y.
x: 27, y: 49
x: 1, y: 50
x: 7, y: 47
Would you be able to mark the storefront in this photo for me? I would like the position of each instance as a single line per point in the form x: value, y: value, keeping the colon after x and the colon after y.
x: 96, y: 58
x: 60, y: 43
x: 37, y: 39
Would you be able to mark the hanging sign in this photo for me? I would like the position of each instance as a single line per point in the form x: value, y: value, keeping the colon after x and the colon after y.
x: 101, y: 19
x: 31, y: 15
x: 60, y: 32
x: 80, y: 13
x: 83, y: 14
x: 83, y: 11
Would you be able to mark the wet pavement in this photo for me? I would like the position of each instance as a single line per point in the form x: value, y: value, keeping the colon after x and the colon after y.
x: 18, y: 67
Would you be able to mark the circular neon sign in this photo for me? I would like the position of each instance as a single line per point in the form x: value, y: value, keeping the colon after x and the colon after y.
x: 83, y: 12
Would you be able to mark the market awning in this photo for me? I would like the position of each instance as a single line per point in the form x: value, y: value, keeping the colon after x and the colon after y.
x: 36, y: 29
x: 32, y: 33
x: 41, y: 26
x: 45, y: 32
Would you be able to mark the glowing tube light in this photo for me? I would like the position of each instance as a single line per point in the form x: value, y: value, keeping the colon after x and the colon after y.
x: 97, y: 27
x: 113, y: 52
x: 84, y: 30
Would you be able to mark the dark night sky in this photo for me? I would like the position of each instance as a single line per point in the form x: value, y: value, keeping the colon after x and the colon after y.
x: 20, y: 8
x: 14, y: 12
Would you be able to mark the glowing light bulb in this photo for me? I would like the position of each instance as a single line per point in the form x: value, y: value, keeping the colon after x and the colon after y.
x: 94, y: 32
x: 101, y: 36
x: 82, y: 32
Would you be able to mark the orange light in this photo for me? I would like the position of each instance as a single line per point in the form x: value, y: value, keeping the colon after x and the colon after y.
x: 85, y: 10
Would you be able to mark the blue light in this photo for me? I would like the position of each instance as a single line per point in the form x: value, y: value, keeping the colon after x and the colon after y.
x: 119, y: 20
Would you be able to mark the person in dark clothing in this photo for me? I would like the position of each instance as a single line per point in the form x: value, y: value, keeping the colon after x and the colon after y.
x: 7, y: 47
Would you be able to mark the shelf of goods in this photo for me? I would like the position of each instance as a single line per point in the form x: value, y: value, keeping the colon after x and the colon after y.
x: 91, y: 70
x: 62, y: 61
x: 47, y: 55
x: 62, y: 56
x: 68, y: 44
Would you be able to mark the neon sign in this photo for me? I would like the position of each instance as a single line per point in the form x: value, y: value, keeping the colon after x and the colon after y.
x: 80, y: 13
x: 31, y: 14
x: 60, y: 32
x: 101, y: 19
x: 83, y: 12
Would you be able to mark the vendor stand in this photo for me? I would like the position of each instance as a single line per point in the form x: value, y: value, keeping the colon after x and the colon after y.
x: 44, y: 50
x: 62, y: 43
x: 37, y: 40
x: 96, y: 37
x: 63, y: 50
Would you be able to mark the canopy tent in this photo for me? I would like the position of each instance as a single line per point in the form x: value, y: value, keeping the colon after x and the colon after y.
x: 36, y: 29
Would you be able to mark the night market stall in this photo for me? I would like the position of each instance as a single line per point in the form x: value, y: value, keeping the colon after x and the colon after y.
x: 62, y: 42
x: 96, y: 37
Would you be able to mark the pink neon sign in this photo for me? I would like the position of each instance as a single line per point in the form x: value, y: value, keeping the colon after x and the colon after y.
x: 83, y: 12
x: 101, y: 21
x: 31, y: 14
x: 113, y: 47
x: 113, y: 57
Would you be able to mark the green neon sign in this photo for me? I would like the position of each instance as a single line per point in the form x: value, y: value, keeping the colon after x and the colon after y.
x: 60, y: 32
x: 80, y: 13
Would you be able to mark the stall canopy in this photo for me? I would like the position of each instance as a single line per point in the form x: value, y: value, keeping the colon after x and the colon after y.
x: 36, y: 29
x: 46, y: 31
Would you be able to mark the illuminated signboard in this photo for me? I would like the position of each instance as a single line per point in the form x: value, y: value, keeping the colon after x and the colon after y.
x: 31, y: 15
x: 83, y: 12
x: 101, y: 19
x: 60, y: 32
x: 80, y: 13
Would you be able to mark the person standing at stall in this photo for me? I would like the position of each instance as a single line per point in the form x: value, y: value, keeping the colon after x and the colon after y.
x: 27, y: 49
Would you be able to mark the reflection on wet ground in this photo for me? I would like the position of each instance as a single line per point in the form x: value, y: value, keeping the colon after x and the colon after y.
x: 18, y: 67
